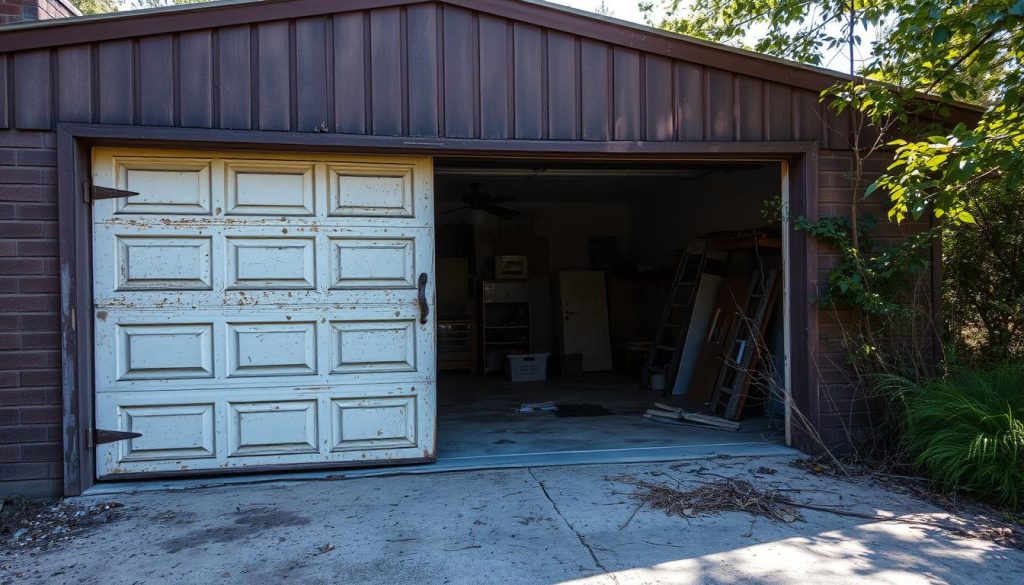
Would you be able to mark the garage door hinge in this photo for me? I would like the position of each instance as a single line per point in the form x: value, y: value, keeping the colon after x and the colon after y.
x: 101, y: 436
x: 95, y: 192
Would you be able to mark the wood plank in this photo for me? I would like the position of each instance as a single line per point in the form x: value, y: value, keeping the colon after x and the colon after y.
x: 460, y: 67
x: 595, y: 90
x: 529, y: 81
x: 810, y: 124
x: 156, y: 84
x: 311, y: 74
x: 563, y: 91
x: 660, y: 110
x: 74, y: 87
x: 350, y: 76
x: 32, y: 90
x: 780, y: 112
x: 751, y: 109
x: 115, y: 82
x: 626, y: 94
x: 274, y: 75
x: 195, y: 70
x: 388, y: 85
x: 689, y: 96
x: 4, y: 89
x: 721, y: 105
x: 234, y: 64
x: 495, y: 71
x: 421, y: 31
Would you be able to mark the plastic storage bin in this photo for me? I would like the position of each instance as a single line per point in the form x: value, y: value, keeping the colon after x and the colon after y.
x: 527, y: 367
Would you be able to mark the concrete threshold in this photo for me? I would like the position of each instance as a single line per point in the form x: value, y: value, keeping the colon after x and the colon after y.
x: 461, y: 463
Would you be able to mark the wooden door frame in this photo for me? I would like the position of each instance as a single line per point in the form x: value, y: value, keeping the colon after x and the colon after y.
x: 75, y: 141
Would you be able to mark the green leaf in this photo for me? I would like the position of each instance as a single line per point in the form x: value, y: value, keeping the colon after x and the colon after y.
x: 941, y: 34
x: 965, y: 217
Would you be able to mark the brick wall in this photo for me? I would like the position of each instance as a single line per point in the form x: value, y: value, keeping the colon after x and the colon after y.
x: 30, y: 392
x: 846, y: 414
x: 12, y: 11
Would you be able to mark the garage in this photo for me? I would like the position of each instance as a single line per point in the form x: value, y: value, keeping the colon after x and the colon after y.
x: 294, y: 235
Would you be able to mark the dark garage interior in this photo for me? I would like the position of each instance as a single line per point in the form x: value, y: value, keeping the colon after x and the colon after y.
x: 552, y: 284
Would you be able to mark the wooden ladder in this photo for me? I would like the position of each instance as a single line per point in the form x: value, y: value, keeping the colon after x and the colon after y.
x: 747, y: 334
x: 666, y: 350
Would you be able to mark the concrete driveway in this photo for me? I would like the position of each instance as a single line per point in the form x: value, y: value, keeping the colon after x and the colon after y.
x: 534, y: 525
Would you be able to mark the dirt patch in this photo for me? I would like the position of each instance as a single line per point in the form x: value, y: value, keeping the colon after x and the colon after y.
x: 248, y: 522
x: 38, y: 526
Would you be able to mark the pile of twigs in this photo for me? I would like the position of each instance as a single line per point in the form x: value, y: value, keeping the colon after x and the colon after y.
x: 725, y: 495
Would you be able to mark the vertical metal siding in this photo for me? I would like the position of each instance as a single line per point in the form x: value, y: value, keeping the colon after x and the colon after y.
x: 420, y: 70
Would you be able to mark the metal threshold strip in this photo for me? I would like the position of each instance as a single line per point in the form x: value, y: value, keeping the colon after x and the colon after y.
x: 463, y: 463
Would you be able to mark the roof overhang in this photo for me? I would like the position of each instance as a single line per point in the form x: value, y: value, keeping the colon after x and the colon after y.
x: 181, y: 18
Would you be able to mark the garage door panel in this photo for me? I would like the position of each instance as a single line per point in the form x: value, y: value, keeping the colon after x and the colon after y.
x: 271, y: 349
x: 178, y: 431
x: 201, y: 263
x: 270, y: 188
x: 160, y: 352
x: 262, y: 310
x: 180, y: 186
x: 263, y: 263
x: 286, y: 426
x: 252, y: 346
x: 272, y: 428
x: 164, y: 263
x: 373, y: 423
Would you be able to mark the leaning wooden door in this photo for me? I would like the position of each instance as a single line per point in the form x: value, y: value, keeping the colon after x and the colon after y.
x: 584, y: 305
x: 262, y: 310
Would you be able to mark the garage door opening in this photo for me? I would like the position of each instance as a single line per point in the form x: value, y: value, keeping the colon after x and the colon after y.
x: 559, y: 327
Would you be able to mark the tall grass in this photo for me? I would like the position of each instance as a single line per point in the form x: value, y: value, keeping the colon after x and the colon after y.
x: 967, y: 430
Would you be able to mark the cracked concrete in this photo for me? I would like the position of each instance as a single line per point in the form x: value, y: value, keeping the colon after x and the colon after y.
x: 568, y: 524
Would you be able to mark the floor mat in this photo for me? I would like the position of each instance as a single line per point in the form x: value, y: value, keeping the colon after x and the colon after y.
x: 582, y: 410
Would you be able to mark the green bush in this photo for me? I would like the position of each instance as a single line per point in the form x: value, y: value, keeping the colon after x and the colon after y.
x: 967, y: 431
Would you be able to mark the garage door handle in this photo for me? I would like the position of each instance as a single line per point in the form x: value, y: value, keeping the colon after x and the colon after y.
x: 424, y: 306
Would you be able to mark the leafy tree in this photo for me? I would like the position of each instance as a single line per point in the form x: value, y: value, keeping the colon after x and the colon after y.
x: 102, y: 6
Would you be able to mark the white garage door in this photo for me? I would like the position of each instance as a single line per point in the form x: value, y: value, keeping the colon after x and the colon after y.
x: 262, y: 310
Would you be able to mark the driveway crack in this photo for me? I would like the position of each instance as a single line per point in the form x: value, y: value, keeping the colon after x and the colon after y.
x: 580, y: 537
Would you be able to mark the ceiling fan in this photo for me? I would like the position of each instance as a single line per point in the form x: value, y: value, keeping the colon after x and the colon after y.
x: 477, y: 200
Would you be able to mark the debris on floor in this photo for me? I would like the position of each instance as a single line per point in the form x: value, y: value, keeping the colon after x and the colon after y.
x: 537, y: 407
x: 725, y: 495
x: 28, y: 525
x: 671, y: 414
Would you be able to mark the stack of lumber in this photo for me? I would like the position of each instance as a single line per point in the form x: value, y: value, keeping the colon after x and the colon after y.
x: 664, y: 413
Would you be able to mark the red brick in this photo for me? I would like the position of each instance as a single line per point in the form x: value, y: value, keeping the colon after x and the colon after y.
x: 16, y: 471
x: 8, y: 379
x: 21, y: 175
x: 24, y: 434
x: 10, y: 454
x: 40, y: 340
x: 39, y: 157
x: 40, y: 377
x: 41, y: 414
x: 25, y: 229
x: 28, y: 193
x: 37, y: 248
x: 37, y: 211
x: 9, y: 416
x: 42, y: 452
x: 38, y: 285
x: 10, y: 341
x: 9, y: 266
x: 34, y: 302
x: 29, y: 359
x: 24, y: 397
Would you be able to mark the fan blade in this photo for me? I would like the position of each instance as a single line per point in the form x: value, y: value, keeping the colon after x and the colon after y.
x: 502, y: 212
x: 454, y: 210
